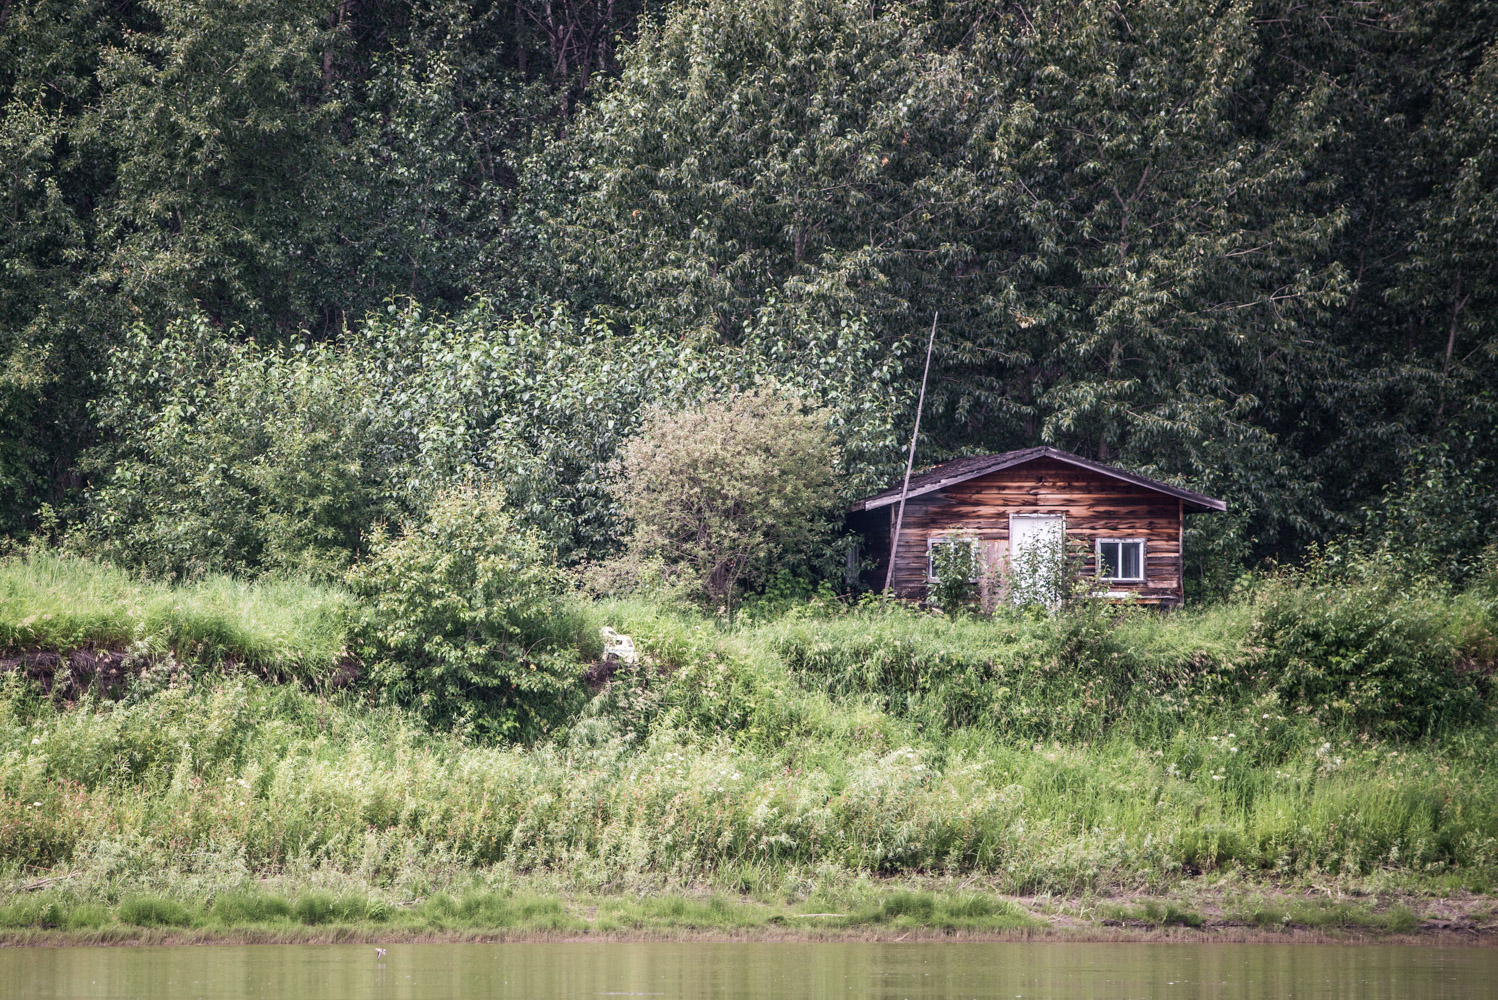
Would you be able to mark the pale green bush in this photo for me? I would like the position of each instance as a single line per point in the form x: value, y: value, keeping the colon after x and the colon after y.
x: 726, y: 492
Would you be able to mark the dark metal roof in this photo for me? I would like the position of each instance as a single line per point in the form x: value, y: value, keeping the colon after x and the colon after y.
x: 960, y: 470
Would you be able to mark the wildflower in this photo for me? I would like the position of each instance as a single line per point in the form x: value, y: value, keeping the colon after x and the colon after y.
x: 35, y: 740
x: 1232, y: 749
x: 1217, y: 777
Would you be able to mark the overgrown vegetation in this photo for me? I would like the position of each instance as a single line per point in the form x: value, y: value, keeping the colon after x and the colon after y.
x: 342, y: 353
x: 727, y: 491
x: 273, y: 274
x: 1100, y: 749
x: 255, y: 459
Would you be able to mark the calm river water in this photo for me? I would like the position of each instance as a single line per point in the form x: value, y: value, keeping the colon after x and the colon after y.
x: 754, y: 972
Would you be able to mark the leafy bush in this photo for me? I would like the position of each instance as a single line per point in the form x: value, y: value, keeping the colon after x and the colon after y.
x: 1372, y: 653
x: 465, y: 621
x: 233, y: 457
x: 729, y: 490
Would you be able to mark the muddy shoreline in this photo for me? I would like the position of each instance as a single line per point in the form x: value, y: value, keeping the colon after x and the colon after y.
x: 1460, y: 924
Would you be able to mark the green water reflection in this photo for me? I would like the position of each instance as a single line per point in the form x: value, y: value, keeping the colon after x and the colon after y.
x: 754, y: 972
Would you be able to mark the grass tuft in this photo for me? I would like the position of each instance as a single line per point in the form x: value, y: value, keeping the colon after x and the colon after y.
x: 154, y: 911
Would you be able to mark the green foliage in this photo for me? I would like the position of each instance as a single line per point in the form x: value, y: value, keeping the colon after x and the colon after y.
x: 1159, y: 914
x: 786, y: 593
x: 277, y: 165
x: 958, y: 566
x: 548, y: 403
x: 240, y: 908
x: 1435, y: 523
x: 153, y: 911
x: 199, y: 787
x: 1087, y: 749
x: 233, y: 457
x: 1026, y: 675
x: 1329, y: 913
x: 314, y: 908
x: 1372, y: 653
x: 727, y: 491
x: 1117, y: 216
x: 464, y: 620
x: 62, y: 603
x: 1244, y: 247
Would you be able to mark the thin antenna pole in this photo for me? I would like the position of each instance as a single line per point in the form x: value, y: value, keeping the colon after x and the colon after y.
x: 894, y: 542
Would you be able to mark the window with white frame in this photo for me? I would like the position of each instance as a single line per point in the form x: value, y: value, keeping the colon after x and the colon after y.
x: 951, y: 550
x: 1121, y: 560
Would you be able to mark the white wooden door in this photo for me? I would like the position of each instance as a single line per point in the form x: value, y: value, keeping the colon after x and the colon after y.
x: 1037, y: 547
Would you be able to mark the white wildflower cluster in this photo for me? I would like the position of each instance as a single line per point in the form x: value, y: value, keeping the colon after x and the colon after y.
x: 1328, y: 761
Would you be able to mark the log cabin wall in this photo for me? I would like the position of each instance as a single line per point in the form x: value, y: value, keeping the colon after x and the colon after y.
x: 1095, y: 505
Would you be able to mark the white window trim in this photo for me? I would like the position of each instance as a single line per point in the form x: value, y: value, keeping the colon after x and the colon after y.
x: 934, y: 540
x: 1097, y: 555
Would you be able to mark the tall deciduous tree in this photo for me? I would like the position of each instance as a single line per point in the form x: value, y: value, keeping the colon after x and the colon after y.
x: 1129, y: 261
x: 276, y: 165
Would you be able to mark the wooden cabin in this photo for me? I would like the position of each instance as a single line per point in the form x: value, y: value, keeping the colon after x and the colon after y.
x: 1015, y: 508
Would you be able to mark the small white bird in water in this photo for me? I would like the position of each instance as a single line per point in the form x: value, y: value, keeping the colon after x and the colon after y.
x: 379, y: 953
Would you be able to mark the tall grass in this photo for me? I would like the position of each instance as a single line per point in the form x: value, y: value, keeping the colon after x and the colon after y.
x: 1091, y: 752
x: 277, y: 627
x: 208, y: 784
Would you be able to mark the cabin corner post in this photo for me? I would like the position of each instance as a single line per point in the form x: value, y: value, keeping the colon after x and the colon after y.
x: 1180, y: 553
x: 889, y: 566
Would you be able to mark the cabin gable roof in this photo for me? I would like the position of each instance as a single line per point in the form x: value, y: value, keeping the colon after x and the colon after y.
x: 960, y: 470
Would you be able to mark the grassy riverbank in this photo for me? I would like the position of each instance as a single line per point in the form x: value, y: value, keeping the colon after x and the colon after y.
x: 895, y: 768
x: 871, y: 911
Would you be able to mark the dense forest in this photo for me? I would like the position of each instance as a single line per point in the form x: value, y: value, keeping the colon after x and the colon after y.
x: 275, y: 271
